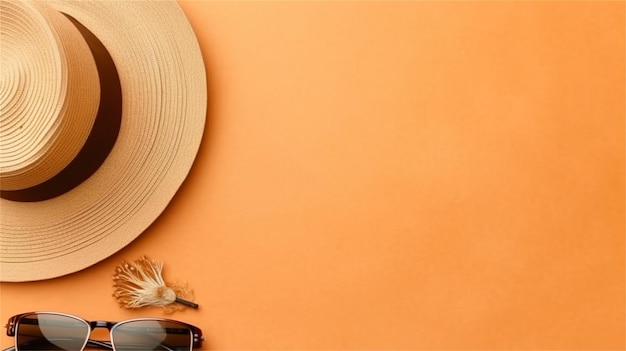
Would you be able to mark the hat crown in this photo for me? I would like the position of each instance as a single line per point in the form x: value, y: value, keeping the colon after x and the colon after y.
x: 49, y: 93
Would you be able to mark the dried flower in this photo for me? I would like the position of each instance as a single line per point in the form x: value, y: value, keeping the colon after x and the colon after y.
x: 140, y: 284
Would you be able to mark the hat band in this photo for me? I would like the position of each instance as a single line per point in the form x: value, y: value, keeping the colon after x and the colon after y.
x: 101, y: 139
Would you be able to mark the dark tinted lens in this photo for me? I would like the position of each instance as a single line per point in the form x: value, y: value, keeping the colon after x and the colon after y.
x: 151, y: 335
x: 45, y: 331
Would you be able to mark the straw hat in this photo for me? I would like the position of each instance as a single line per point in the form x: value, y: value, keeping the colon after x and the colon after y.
x: 102, y: 109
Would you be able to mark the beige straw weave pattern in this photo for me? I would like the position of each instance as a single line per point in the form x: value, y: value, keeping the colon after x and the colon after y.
x: 49, y: 97
x: 48, y: 82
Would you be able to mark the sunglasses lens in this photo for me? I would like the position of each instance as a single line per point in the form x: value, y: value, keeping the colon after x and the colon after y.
x: 48, y: 331
x: 151, y: 335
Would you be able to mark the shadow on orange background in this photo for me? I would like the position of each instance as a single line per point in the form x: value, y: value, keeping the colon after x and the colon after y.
x: 402, y: 175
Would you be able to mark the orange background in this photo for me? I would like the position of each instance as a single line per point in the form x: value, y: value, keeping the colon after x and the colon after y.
x: 394, y: 175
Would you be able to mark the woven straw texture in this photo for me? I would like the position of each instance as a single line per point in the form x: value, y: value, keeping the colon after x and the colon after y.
x: 49, y: 94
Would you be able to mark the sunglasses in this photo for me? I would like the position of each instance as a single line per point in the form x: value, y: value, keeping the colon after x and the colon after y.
x: 59, y: 331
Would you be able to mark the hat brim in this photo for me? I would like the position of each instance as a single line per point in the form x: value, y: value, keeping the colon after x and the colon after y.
x: 164, y: 99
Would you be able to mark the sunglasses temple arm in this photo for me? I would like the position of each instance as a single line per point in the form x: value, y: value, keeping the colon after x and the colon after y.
x: 99, y: 344
x: 90, y: 343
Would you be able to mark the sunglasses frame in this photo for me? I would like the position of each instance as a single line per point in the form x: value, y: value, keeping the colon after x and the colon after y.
x: 13, y: 323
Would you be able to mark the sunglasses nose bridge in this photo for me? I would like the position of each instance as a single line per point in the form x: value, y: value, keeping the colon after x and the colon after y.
x: 101, y: 324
